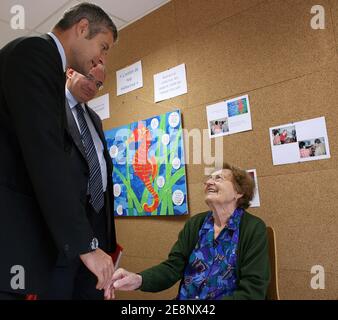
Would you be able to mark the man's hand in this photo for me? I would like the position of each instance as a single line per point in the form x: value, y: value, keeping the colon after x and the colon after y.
x: 101, y: 264
x: 122, y: 280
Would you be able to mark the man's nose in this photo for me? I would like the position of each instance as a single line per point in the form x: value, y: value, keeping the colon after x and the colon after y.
x: 103, y: 58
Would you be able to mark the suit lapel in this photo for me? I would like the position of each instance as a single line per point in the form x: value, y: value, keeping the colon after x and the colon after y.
x: 109, y: 194
x: 98, y: 126
x: 74, y: 131
x: 97, y: 123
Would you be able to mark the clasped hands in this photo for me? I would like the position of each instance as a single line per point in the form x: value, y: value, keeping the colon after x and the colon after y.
x: 109, y: 280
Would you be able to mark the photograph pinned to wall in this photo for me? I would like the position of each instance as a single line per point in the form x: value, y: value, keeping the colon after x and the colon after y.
x: 312, y: 148
x: 284, y: 135
x: 300, y: 141
x: 229, y: 117
x: 219, y: 126
x: 255, y: 202
x: 149, y: 167
x: 238, y: 106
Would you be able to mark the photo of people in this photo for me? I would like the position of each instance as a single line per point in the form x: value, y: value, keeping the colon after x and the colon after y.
x: 219, y: 126
x: 284, y: 135
x: 234, y: 115
x: 312, y: 148
x: 302, y: 141
x: 238, y: 106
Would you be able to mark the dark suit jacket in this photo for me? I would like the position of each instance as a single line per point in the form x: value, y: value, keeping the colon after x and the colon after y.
x: 81, y: 168
x: 42, y: 208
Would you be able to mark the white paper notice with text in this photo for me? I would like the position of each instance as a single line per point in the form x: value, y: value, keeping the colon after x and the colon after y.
x: 129, y: 78
x: 170, y: 83
x: 101, y: 106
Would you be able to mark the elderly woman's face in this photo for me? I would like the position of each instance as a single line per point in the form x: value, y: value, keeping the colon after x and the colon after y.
x: 219, y: 188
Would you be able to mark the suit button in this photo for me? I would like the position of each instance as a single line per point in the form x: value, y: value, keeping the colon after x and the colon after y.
x: 66, y: 247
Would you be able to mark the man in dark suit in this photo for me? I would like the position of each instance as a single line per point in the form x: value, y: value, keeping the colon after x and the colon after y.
x: 72, y: 280
x: 42, y: 206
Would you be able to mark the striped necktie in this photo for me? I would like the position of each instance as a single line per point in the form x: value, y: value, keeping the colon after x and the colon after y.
x: 95, y: 176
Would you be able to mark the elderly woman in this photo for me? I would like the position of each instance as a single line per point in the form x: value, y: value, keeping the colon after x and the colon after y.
x: 219, y: 254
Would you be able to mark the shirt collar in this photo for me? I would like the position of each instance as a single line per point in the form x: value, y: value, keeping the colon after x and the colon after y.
x: 233, y: 222
x: 72, y: 101
x: 61, y: 50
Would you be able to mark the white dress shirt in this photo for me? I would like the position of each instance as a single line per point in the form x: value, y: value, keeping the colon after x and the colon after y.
x: 96, y: 139
x: 60, y: 49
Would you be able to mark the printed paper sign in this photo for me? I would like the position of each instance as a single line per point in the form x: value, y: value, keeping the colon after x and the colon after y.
x: 129, y: 78
x: 101, y: 106
x: 170, y: 83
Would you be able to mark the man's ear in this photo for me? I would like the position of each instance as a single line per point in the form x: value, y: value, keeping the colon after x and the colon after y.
x: 82, y: 27
x: 69, y: 73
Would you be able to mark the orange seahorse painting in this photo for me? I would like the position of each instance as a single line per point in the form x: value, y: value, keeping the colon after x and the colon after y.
x: 144, y: 168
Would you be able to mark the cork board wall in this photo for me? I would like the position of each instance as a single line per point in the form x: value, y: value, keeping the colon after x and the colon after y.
x: 267, y: 49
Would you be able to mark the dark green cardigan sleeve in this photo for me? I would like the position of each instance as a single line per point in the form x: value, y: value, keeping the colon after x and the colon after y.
x: 167, y: 273
x: 253, y: 271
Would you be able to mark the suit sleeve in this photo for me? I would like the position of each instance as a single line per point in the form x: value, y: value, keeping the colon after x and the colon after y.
x: 32, y: 88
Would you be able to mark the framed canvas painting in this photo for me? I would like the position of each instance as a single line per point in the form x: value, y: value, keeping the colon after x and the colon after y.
x: 149, y: 176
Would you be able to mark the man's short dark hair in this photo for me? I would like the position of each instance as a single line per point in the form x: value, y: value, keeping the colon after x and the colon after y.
x: 97, y: 17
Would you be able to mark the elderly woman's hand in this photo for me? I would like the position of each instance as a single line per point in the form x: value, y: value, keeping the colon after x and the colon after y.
x: 125, y: 280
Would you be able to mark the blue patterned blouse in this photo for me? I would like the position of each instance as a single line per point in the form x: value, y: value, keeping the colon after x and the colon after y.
x: 210, y: 272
